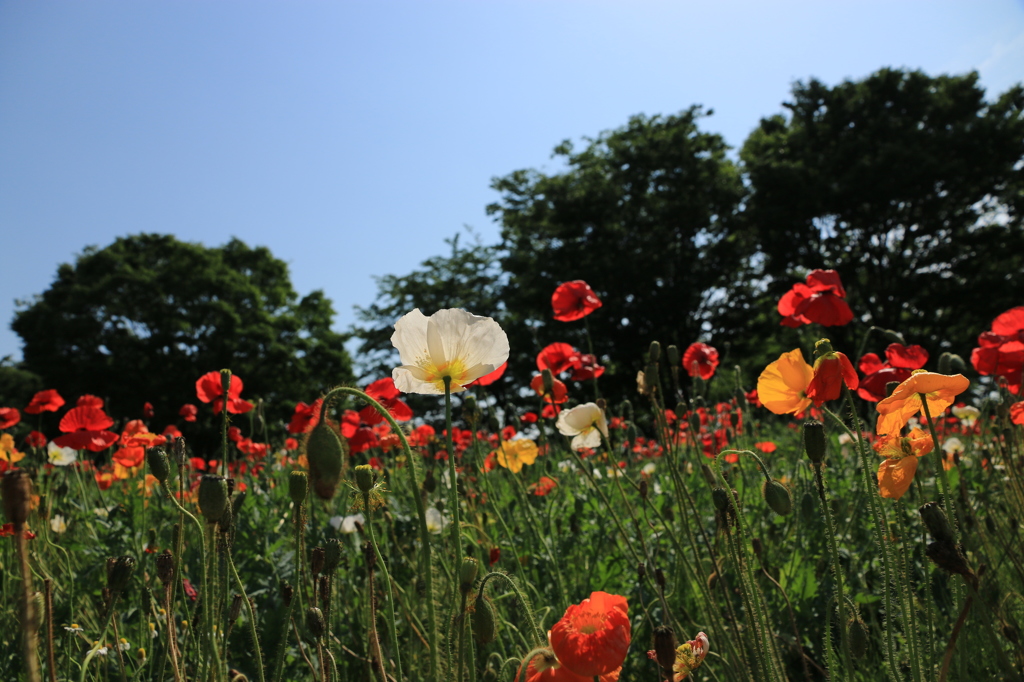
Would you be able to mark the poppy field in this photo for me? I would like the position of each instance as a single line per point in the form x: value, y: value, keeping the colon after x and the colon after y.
x: 848, y: 514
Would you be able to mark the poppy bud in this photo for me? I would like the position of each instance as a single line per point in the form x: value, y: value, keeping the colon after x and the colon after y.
x: 654, y: 352
x: 332, y: 556
x: 489, y: 675
x: 165, y: 567
x: 235, y: 609
x: 659, y: 577
x: 287, y: 592
x: 364, y: 478
x: 485, y: 626
x: 298, y: 483
x: 429, y: 482
x: 665, y: 647
x: 627, y: 410
x: 641, y: 571
x: 225, y: 381
x: 156, y: 458
x: 213, y: 497
x: 467, y: 573
x: 317, y: 558
x: 777, y: 496
x: 946, y: 363
x: 119, y: 573
x: 822, y: 347
x: 326, y: 455
x: 935, y: 520
x: 957, y: 364
x: 651, y: 375
x: 814, y: 441
x: 492, y: 423
x: 857, y: 635
x: 720, y: 498
x: 673, y: 356
x: 631, y: 433
x: 17, y: 493
x: 315, y: 622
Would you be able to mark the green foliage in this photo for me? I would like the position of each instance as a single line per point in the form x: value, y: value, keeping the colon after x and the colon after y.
x: 17, y: 384
x: 140, y: 320
x: 909, y: 186
x: 644, y: 214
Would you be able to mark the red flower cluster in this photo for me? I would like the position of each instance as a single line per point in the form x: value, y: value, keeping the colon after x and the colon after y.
x: 574, y: 300
x: 561, y: 357
x: 900, y: 360
x: 1000, y: 350
x: 819, y: 300
x: 700, y: 359
x: 210, y: 388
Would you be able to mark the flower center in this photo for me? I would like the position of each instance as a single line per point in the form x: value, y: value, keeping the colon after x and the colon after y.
x: 588, y: 623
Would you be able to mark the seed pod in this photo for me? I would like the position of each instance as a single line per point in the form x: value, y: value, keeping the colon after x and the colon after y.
x: 165, y: 567
x: 654, y: 352
x: 317, y: 559
x: 364, y: 477
x: 315, y: 622
x: 467, y: 573
x: 119, y: 573
x: 777, y: 496
x: 17, y: 492
x: 326, y: 455
x: 641, y: 571
x: 857, y: 635
x: 156, y: 458
x: 213, y: 497
x: 814, y: 441
x: 659, y: 578
x: 485, y: 624
x: 665, y: 647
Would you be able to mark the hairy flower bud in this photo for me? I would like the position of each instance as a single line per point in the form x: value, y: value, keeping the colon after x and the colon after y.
x: 159, y: 466
x: 165, y: 567
x: 213, y: 497
x: 935, y: 520
x: 235, y: 609
x: 315, y: 622
x: 287, y: 593
x: 325, y: 453
x: 364, y: 478
x: 857, y: 635
x: 485, y: 624
x: 317, y: 559
x: 777, y: 496
x: 721, y: 499
x: 467, y: 573
x: 654, y: 352
x: 814, y: 441
x: 673, y: 356
x: 298, y: 484
x: 665, y: 647
x: 429, y: 482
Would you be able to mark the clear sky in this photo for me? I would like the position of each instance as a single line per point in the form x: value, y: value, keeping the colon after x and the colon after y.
x: 351, y: 137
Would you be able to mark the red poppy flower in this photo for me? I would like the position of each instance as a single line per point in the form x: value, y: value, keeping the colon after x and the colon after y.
x: 493, y: 556
x: 104, y: 479
x: 574, y: 300
x: 147, y: 411
x: 85, y: 428
x: 549, y: 411
x: 1010, y: 323
x: 906, y: 357
x: 592, y: 638
x: 188, y: 412
x: 291, y: 444
x: 9, y: 417
x: 45, y: 401
x: 529, y: 418
x: 588, y: 369
x: 831, y: 370
x: 702, y: 359
x: 488, y: 379
x: 171, y: 431
x: 35, y: 439
x: 129, y: 457
x: 234, y: 434
x: 546, y: 668
x: 870, y: 363
x: 7, y: 530
x: 819, y: 300
x: 544, y: 486
x: 422, y: 435
x: 210, y: 387
x: 1017, y: 413
x: 558, y: 357
x: 766, y: 447
x: 559, y: 393
x: 305, y: 417
x: 872, y: 387
x: 89, y: 400
x: 385, y: 393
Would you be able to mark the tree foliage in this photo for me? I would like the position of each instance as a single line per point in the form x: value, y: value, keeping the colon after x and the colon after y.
x: 909, y: 186
x: 140, y: 320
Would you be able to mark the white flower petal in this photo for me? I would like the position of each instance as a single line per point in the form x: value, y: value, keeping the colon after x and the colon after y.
x: 410, y: 337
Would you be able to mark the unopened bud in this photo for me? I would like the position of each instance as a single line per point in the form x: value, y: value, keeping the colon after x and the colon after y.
x: 720, y: 498
x: 659, y: 578
x: 467, y: 573
x: 602, y: 404
x: 178, y: 451
x: 315, y: 622
x: 758, y: 546
x: 548, y: 381
x: 857, y: 635
x: 159, y: 466
x: 287, y: 592
x: 485, y: 625
x: 165, y: 567
x: 935, y: 520
x: 822, y: 347
x: 298, y: 484
x: 119, y: 573
x: 807, y: 511
x: 814, y: 441
x: 364, y: 478
x: 332, y: 556
x: 317, y: 559
x: 777, y: 496
x: 325, y: 453
x: 654, y: 352
x: 213, y: 497
x: 17, y: 492
x: 641, y: 571
x: 235, y: 609
x: 665, y: 647
x: 672, y: 356
x: 492, y: 423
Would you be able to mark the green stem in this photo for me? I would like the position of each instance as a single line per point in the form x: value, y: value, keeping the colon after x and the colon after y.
x: 388, y: 590
x: 453, y: 494
x: 252, y: 620
x: 837, y: 571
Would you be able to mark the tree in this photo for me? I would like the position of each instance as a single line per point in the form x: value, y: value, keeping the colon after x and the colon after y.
x: 909, y: 186
x: 140, y: 320
x: 644, y: 214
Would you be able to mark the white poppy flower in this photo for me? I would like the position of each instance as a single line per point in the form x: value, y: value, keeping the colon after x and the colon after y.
x: 59, y: 456
x: 566, y: 465
x: 648, y: 469
x: 436, y: 521
x: 347, y: 524
x: 586, y: 423
x: 57, y: 524
x: 968, y: 414
x: 449, y: 343
x: 952, y: 445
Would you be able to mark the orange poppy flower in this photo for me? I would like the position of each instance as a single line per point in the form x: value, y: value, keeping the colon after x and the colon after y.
x: 592, y: 638
x: 546, y: 668
x: 782, y: 386
x: 831, y: 370
x: 940, y: 390
x: 901, y: 452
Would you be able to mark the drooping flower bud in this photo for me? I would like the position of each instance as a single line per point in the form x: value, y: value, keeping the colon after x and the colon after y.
x: 935, y: 520
x: 721, y: 499
x: 364, y: 478
x: 485, y: 625
x: 156, y: 458
x: 213, y: 497
x: 467, y: 573
x: 298, y: 484
x: 429, y: 482
x: 665, y: 646
x: 325, y: 453
x: 315, y: 622
x: 317, y: 559
x: 287, y: 593
x: 777, y: 496
x: 807, y: 510
x: 814, y: 441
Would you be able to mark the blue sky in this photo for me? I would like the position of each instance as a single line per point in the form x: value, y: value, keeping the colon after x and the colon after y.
x: 351, y: 138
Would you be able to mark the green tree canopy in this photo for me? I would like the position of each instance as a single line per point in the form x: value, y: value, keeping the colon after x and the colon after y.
x: 909, y: 186
x: 644, y: 214
x: 140, y: 320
